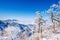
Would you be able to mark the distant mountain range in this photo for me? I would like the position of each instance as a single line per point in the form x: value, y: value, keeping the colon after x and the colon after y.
x: 5, y: 23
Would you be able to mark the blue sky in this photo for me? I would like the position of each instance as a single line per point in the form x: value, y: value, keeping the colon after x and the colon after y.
x: 23, y: 9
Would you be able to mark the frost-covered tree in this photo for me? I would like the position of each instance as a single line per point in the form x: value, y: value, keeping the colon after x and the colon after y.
x: 38, y: 21
x: 54, y: 12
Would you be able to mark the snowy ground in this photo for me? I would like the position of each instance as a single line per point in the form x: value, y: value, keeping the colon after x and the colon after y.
x: 9, y: 38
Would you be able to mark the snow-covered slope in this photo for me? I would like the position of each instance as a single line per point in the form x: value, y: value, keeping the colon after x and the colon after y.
x: 13, y: 29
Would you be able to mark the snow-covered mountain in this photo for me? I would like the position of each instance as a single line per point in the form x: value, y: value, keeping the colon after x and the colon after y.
x: 5, y: 23
x: 11, y: 27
